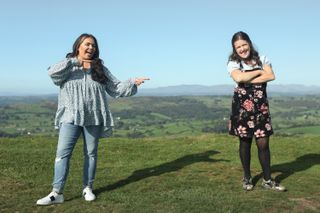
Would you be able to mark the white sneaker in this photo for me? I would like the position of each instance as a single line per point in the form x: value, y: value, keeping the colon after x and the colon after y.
x: 88, y: 194
x: 52, y: 198
x: 247, y: 184
x: 269, y: 184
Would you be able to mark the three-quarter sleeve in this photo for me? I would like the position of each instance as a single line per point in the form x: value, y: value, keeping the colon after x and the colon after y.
x: 116, y: 88
x: 61, y: 71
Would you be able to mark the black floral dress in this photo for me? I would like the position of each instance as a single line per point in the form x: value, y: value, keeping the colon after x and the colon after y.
x: 250, y: 114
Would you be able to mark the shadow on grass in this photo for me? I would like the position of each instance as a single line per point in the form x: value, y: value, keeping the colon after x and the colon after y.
x: 161, y: 169
x: 301, y: 163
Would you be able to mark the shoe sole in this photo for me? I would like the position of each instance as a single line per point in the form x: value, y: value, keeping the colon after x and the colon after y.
x: 88, y: 199
x: 48, y: 204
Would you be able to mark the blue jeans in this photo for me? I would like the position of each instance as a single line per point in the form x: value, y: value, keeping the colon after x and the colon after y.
x: 68, y: 137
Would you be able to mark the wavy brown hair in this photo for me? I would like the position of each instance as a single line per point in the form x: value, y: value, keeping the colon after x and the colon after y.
x: 97, y: 64
x: 254, y: 55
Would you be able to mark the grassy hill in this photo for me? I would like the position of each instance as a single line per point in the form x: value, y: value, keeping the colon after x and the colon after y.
x: 199, y: 173
x: 138, y: 117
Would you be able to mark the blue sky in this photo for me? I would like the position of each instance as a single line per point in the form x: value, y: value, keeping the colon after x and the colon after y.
x: 172, y: 41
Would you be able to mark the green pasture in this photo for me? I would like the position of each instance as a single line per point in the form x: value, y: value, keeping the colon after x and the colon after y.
x: 199, y: 173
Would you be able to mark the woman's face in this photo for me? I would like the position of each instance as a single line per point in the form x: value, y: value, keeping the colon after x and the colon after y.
x: 242, y: 48
x: 87, y: 49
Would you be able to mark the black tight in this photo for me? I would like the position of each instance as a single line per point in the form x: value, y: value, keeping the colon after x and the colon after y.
x: 245, y: 155
x: 263, y: 154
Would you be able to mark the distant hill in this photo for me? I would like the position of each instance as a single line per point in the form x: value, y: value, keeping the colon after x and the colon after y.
x: 26, y: 99
x: 145, y: 116
x: 291, y: 89
x: 187, y: 90
x: 195, y: 90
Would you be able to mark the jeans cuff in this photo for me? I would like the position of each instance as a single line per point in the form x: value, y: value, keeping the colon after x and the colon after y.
x: 59, y: 191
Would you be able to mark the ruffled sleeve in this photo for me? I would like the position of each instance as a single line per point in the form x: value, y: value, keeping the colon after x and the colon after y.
x: 61, y: 71
x: 116, y: 88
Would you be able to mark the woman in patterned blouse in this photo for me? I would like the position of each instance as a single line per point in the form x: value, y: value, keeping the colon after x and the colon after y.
x: 250, y: 115
x: 83, y: 109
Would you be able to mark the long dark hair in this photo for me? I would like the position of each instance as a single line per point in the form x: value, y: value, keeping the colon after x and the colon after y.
x: 254, y: 55
x: 97, y: 64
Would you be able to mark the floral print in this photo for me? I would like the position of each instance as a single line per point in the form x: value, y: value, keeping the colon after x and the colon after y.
x: 250, y: 114
x: 258, y: 94
x: 259, y: 133
x: 264, y: 109
x: 250, y: 124
x: 268, y: 126
x: 242, y: 131
x: 248, y: 105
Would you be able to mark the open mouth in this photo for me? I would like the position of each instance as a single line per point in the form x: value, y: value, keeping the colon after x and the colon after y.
x: 89, y: 53
x: 244, y: 53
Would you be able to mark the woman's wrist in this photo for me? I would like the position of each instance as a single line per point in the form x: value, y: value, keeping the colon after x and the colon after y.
x: 75, y: 61
x: 262, y: 72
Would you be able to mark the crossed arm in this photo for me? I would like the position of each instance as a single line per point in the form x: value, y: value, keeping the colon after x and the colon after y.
x: 254, y: 77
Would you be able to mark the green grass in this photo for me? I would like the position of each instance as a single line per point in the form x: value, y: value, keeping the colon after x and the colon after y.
x: 309, y: 130
x: 162, y: 174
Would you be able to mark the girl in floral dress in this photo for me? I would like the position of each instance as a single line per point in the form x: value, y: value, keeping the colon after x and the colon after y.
x: 250, y: 115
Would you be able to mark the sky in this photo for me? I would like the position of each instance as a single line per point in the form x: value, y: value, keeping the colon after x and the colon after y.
x: 173, y: 42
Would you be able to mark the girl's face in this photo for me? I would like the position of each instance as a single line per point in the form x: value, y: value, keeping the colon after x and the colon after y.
x: 242, y: 48
x: 87, y: 49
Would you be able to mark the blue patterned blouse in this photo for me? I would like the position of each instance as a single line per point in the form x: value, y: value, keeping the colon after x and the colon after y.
x: 83, y: 101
